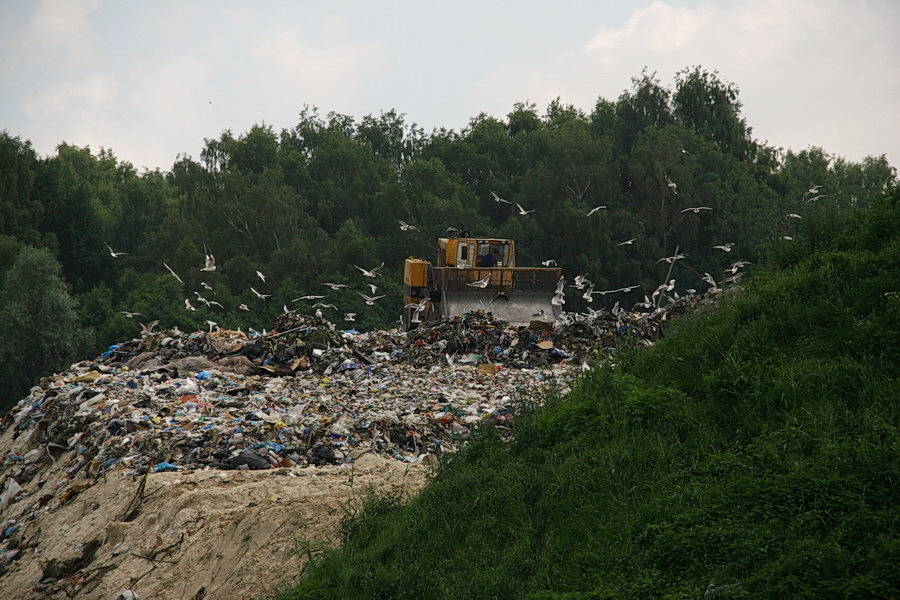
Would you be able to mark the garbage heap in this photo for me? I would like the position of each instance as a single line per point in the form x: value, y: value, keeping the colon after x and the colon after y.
x: 302, y: 394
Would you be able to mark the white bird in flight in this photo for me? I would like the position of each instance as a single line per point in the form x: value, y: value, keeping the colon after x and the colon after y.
x: 244, y: 307
x: 262, y: 296
x: 335, y: 286
x: 670, y: 259
x: 522, y: 211
x: 724, y: 247
x: 696, y: 209
x: 113, y: 253
x: 407, y: 227
x: 206, y: 286
x: 481, y: 283
x: 209, y: 263
x: 310, y: 297
x: 626, y: 242
x: 187, y: 304
x: 672, y: 185
x: 175, y: 275
x: 130, y: 314
x: 499, y: 199
x: 549, y: 263
x: 595, y: 209
x: 349, y: 316
x: 794, y: 216
x: 373, y: 287
x: 371, y: 272
x: 370, y: 300
x: 261, y: 276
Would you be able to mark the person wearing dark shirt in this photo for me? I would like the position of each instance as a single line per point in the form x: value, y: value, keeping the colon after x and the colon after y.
x: 489, y: 260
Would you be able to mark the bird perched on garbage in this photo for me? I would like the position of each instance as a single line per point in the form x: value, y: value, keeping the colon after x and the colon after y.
x: 261, y: 296
x: 407, y: 227
x: 335, y: 286
x: 370, y: 300
x: 212, y: 325
x: 147, y: 328
x: 498, y: 199
x: 724, y: 247
x: 261, y: 276
x: 522, y: 211
x: 113, y: 253
x: 371, y: 272
x: 696, y: 209
x: 210, y: 263
x: 481, y: 283
x: 188, y: 305
x: 174, y: 274
x: 595, y: 209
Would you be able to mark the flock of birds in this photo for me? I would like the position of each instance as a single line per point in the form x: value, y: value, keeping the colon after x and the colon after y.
x: 581, y: 283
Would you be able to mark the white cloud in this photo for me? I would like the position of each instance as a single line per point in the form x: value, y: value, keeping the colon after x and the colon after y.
x: 65, y: 25
x: 810, y: 73
x: 294, y: 69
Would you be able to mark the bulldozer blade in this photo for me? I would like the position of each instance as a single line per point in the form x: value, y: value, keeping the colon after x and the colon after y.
x: 517, y: 308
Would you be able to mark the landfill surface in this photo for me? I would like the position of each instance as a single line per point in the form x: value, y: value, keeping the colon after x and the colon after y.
x: 188, y: 465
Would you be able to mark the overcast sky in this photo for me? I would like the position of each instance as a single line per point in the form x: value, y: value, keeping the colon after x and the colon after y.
x: 151, y: 79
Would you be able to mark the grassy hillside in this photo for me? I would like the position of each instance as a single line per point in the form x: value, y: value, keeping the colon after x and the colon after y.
x: 753, y: 453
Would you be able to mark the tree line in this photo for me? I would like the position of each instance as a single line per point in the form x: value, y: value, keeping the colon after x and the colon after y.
x: 303, y: 205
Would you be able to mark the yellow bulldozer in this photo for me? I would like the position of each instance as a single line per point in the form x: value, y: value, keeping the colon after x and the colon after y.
x: 472, y: 273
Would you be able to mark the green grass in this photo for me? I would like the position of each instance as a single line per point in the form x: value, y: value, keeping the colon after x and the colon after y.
x: 752, y: 453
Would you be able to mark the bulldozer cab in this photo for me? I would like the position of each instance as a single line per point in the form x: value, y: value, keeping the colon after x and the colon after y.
x: 476, y: 252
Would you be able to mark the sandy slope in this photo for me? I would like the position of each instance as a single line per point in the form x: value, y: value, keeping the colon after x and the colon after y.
x: 204, y: 534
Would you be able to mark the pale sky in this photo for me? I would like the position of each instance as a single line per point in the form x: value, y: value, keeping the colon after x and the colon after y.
x: 151, y: 79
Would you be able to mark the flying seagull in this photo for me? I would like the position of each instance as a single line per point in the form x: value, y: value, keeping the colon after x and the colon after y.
x: 371, y: 273
x: 263, y: 296
x: 310, y: 297
x: 794, y: 216
x: 522, y: 211
x: 349, y: 316
x: 696, y: 209
x: 724, y: 247
x: 244, y: 307
x: 370, y: 300
x: 407, y: 227
x: 175, y: 275
x: 130, y: 314
x: 113, y: 253
x: 499, y: 199
x: 206, y: 286
x: 595, y: 209
x: 626, y: 242
x: 261, y: 276
x: 672, y: 185
x: 209, y: 263
x: 549, y: 263
x: 187, y: 304
x: 373, y: 287
x: 481, y: 283
x: 670, y: 259
x: 335, y: 286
